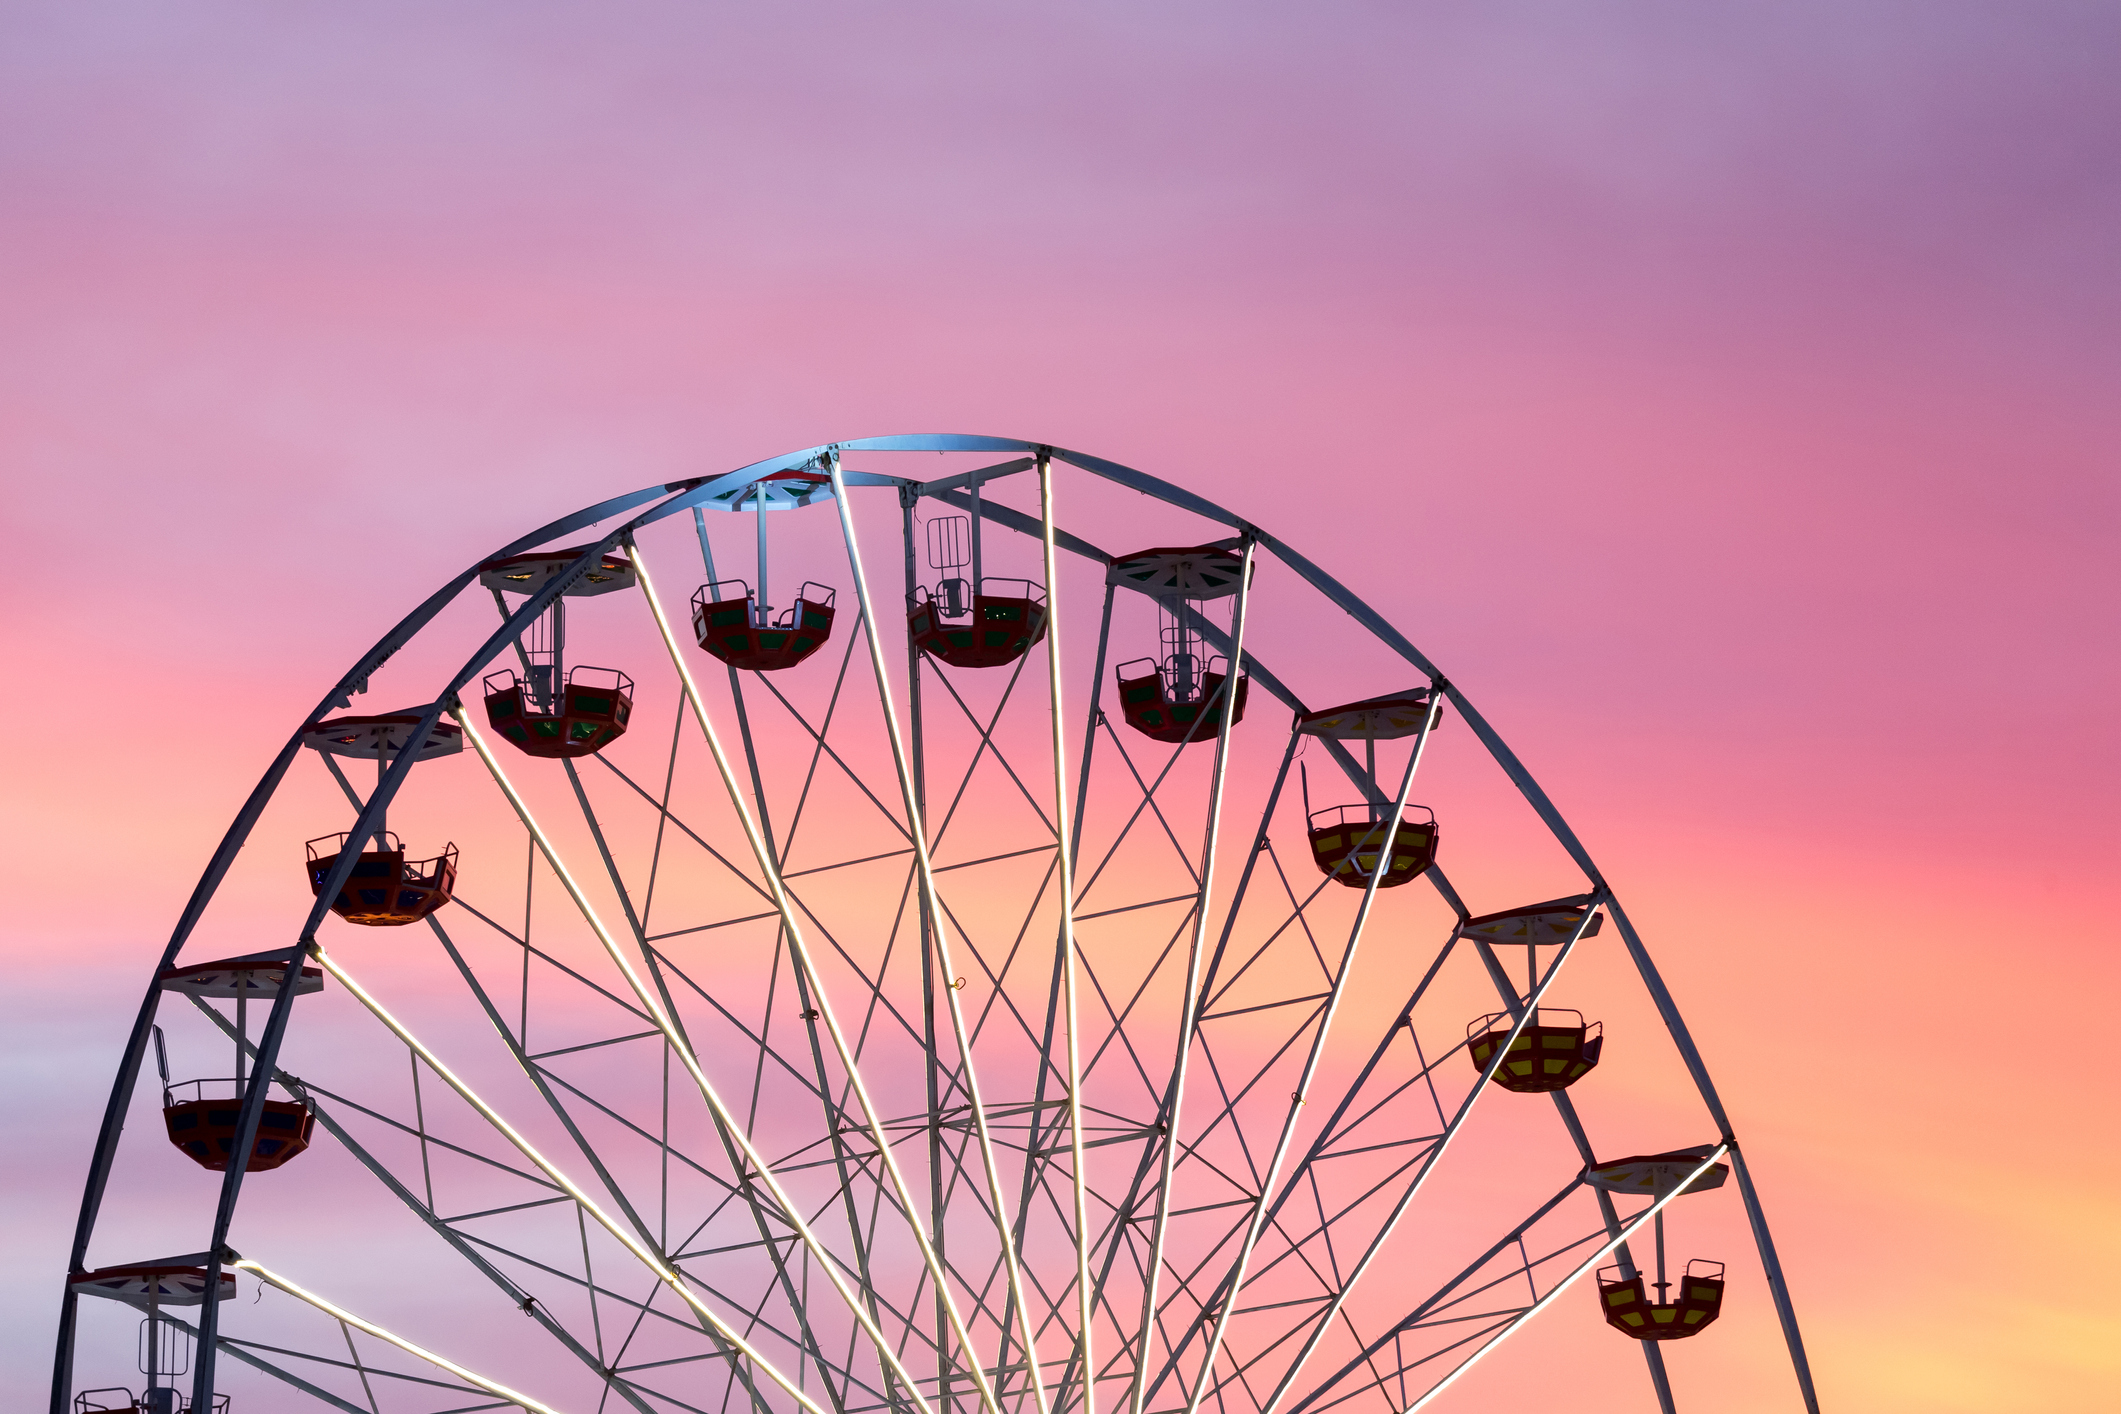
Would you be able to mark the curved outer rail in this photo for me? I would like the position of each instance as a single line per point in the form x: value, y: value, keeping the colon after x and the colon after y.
x: 681, y: 496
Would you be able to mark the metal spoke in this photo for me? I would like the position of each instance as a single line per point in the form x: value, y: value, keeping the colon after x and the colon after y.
x: 1078, y: 1167
x: 1174, y: 1106
x: 441, y: 1227
x: 922, y: 862
x: 682, y: 1048
x: 818, y: 737
x: 639, y: 1249
x: 792, y: 930
x: 728, y: 1138
x: 1430, y: 1159
x: 986, y: 742
x: 347, y: 1318
x: 1568, y: 1281
x: 1233, y: 1283
x: 245, y: 1351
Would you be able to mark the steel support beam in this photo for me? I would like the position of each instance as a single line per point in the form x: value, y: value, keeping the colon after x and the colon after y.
x: 924, y: 866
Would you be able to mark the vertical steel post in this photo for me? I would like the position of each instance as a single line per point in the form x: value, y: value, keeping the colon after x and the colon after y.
x: 978, y: 560
x: 1032, y: 1157
x: 557, y: 693
x: 1233, y: 1283
x: 769, y: 868
x: 916, y: 712
x: 725, y: 1118
x: 1085, y: 1311
x: 924, y: 868
x: 758, y: 502
x: 1189, y: 998
x: 1097, y: 692
x: 699, y: 526
x: 154, y: 1343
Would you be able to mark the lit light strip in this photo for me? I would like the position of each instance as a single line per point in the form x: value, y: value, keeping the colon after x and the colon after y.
x: 1240, y: 1269
x: 426, y: 1215
x: 1324, y: 1321
x: 1064, y: 858
x: 801, y: 950
x: 1189, y: 1003
x: 691, y: 1062
x: 441, y: 1362
x: 654, y: 1262
x: 924, y: 867
x: 1570, y: 1280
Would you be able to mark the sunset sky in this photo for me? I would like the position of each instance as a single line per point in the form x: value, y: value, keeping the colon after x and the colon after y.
x: 1724, y: 397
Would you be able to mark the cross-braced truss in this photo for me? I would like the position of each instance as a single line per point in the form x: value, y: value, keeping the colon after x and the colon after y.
x: 890, y: 1035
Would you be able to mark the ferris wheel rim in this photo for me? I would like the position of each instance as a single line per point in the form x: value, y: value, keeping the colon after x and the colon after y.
x: 692, y: 493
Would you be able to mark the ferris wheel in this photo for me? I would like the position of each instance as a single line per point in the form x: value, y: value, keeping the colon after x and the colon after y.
x: 932, y: 924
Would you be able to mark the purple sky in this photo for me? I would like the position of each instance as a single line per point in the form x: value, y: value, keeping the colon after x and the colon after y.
x: 1753, y: 368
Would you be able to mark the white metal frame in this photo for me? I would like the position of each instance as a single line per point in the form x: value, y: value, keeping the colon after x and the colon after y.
x: 1110, y: 1223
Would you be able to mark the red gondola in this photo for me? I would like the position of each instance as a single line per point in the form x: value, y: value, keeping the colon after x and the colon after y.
x: 969, y: 619
x: 1178, y: 698
x: 997, y: 628
x: 586, y: 715
x: 206, y: 1128
x: 1346, y: 839
x: 739, y: 626
x: 553, y: 710
x: 1170, y: 706
x: 384, y: 890
x: 1002, y: 628
x: 735, y: 630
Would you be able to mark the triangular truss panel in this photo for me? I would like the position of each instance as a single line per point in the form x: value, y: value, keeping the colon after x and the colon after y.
x: 880, y: 930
